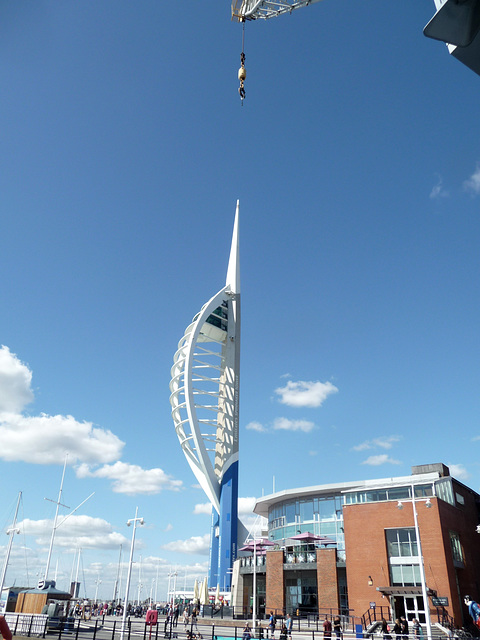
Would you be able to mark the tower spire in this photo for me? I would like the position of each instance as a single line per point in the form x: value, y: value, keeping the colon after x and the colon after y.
x: 233, y: 271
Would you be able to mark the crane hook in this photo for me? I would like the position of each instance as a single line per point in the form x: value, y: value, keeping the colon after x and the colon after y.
x: 242, y: 74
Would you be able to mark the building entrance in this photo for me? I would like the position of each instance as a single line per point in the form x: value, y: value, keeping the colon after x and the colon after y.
x: 409, y: 607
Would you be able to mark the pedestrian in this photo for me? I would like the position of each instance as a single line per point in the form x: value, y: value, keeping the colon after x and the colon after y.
x: 194, y: 620
x: 404, y: 625
x: 289, y: 625
x: 386, y: 630
x: 327, y: 629
x: 272, y: 621
x: 397, y: 629
x: 185, y: 617
x: 247, y: 632
x: 337, y: 627
x: 417, y: 629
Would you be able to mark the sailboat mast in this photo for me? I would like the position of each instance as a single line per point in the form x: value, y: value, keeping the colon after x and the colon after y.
x: 55, y: 521
x: 10, y: 532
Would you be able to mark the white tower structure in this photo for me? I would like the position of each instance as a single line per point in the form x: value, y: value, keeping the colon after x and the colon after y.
x: 205, y: 400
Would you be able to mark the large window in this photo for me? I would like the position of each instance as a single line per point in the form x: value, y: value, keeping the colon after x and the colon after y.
x: 457, y: 550
x: 401, y: 543
x: 301, y: 593
x: 391, y: 493
x: 444, y: 490
x: 405, y: 575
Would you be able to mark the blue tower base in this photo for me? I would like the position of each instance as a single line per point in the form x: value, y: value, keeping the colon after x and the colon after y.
x: 223, y: 541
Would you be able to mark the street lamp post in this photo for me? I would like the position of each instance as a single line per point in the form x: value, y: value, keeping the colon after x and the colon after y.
x: 423, y: 581
x: 129, y: 575
x: 97, y: 582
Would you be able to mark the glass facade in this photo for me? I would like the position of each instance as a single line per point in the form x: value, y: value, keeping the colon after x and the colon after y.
x: 403, y: 557
x: 301, y: 592
x: 321, y: 515
x: 392, y: 493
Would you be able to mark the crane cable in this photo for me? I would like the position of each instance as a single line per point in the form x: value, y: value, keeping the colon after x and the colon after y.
x: 242, y: 72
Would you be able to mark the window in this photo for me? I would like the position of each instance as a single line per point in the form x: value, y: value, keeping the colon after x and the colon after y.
x: 423, y: 490
x: 290, y: 512
x: 401, y: 543
x: 326, y: 509
x: 405, y: 575
x: 444, y: 490
x: 457, y: 550
x: 399, y: 493
x: 376, y: 496
x: 306, y: 510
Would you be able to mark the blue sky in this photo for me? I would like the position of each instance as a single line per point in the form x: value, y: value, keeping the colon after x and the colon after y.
x: 123, y: 150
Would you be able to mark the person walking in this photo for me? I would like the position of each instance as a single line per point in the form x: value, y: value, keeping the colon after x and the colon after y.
x: 417, y: 629
x: 337, y: 627
x: 386, y: 630
x: 397, y: 629
x: 289, y: 625
x: 327, y: 629
x: 272, y: 621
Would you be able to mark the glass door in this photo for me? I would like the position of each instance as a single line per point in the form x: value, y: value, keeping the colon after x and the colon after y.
x: 414, y: 608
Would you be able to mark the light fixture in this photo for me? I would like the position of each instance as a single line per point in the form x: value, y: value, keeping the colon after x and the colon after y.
x: 399, y: 505
x: 428, y: 504
x: 370, y: 581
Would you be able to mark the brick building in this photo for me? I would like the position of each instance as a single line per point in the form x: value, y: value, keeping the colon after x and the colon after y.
x: 342, y: 547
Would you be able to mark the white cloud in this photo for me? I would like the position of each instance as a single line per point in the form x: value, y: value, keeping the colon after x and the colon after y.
x: 45, y: 439
x: 472, y: 185
x: 284, y: 424
x: 246, y: 505
x: 15, y: 381
x: 458, y: 471
x: 82, y: 532
x: 132, y: 479
x: 305, y: 394
x: 255, y: 426
x: 386, y: 442
x: 203, y: 509
x: 438, y: 191
x: 382, y: 458
x: 194, y: 545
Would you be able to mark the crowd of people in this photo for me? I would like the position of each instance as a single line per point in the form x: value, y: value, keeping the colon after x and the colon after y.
x: 272, y: 630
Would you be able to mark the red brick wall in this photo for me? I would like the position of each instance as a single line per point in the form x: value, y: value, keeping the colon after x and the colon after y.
x: 327, y: 583
x: 275, y: 590
x: 366, y: 550
x: 461, y: 519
